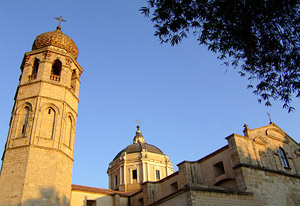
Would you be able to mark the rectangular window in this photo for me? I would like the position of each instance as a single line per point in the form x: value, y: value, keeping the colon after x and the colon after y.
x: 91, y: 203
x: 174, y: 187
x: 23, y: 130
x: 219, y: 169
x: 157, y: 174
x: 116, y: 180
x: 141, y: 202
x: 134, y: 174
x: 283, y: 158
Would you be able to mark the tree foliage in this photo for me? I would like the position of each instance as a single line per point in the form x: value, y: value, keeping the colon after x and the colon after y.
x: 259, y: 37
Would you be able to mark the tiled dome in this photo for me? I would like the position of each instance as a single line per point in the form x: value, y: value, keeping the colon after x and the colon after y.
x: 57, y: 39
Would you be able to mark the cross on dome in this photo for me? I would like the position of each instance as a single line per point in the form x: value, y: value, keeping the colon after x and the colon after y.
x: 60, y: 19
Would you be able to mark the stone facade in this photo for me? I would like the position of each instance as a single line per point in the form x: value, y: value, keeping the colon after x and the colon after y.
x: 259, y: 168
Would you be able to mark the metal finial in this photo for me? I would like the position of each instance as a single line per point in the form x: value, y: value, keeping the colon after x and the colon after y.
x: 269, y: 117
x: 60, y: 19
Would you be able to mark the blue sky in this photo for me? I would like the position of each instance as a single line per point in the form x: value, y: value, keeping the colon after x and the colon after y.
x: 186, y: 100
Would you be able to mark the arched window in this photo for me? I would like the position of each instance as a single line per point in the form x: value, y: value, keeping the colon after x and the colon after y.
x: 35, y: 66
x: 56, y: 70
x: 23, y: 121
x: 68, y: 132
x: 34, y: 69
x: 283, y: 158
x: 48, y: 121
x: 73, y: 80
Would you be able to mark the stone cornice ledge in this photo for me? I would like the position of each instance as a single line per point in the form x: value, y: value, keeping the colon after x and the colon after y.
x: 206, y: 188
x: 266, y: 170
x: 203, y: 188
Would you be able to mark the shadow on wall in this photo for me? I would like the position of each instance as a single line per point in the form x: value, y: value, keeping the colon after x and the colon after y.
x: 48, y: 197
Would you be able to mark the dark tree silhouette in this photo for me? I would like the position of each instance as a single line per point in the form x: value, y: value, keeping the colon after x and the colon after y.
x: 261, y: 38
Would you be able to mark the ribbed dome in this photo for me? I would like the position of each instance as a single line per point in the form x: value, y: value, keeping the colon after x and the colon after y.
x: 138, y: 147
x: 57, y: 39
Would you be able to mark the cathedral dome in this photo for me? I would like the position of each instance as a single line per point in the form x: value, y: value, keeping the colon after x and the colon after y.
x: 139, y: 162
x: 139, y: 145
x: 57, y: 39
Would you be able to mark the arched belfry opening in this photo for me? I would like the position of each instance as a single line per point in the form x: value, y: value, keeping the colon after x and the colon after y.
x: 56, y: 70
x: 34, y: 69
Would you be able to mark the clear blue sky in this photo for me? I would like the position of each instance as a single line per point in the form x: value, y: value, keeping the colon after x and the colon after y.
x: 185, y: 99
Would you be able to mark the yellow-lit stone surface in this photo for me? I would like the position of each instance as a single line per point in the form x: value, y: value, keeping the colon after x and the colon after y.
x: 38, y: 158
x: 253, y: 174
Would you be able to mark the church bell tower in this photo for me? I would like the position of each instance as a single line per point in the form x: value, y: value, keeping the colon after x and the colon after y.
x: 38, y: 158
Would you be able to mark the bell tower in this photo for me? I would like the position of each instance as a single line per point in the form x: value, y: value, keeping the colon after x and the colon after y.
x: 38, y: 158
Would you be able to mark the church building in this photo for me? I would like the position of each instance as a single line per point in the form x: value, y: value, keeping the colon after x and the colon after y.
x: 260, y: 167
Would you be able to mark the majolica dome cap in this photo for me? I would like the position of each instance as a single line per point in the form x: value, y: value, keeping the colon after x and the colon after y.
x: 139, y: 145
x: 57, y: 39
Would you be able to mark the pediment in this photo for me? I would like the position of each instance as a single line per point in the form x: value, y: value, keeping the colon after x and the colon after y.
x: 277, y: 134
x: 260, y: 140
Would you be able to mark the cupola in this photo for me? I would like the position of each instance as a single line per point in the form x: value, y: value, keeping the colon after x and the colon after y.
x: 56, y: 39
x: 137, y: 163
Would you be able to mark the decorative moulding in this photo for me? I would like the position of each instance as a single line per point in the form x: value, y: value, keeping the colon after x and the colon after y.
x: 260, y: 140
x: 277, y: 135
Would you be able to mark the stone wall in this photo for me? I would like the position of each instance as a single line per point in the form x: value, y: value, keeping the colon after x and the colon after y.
x: 277, y: 189
x: 35, y: 176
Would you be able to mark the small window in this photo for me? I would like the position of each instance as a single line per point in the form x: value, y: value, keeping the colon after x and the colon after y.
x: 134, y: 174
x: 283, y: 158
x: 24, y: 120
x: 174, y: 187
x: 91, y: 203
x: 141, y: 202
x: 157, y: 174
x: 116, y: 180
x: 73, y: 80
x: 219, y: 169
x: 23, y: 130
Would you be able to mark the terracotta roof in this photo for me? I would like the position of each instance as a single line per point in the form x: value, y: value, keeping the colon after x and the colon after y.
x: 100, y: 190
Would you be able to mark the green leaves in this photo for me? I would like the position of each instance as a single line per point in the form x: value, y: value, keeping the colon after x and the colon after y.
x: 259, y: 37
